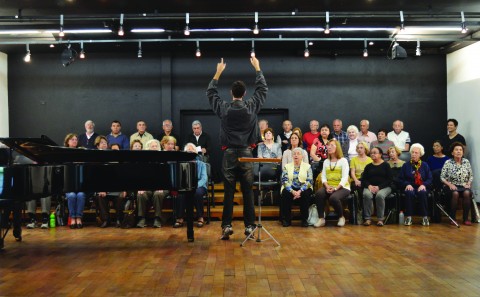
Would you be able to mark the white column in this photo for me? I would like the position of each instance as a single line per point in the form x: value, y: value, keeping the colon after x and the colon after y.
x: 4, y: 130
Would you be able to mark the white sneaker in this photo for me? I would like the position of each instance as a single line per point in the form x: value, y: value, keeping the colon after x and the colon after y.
x: 341, y: 222
x: 32, y: 225
x: 319, y: 223
x: 44, y: 226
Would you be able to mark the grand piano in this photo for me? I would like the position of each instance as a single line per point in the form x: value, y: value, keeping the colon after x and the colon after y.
x: 57, y: 170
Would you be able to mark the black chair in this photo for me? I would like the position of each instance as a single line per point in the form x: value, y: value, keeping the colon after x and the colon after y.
x: 210, y: 194
x: 269, y: 174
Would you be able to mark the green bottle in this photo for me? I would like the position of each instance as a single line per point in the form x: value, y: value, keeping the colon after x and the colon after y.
x: 52, y: 220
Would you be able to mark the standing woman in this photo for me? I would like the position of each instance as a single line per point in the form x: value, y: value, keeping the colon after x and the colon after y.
x: 269, y: 148
x: 457, y: 176
x: 336, y: 186
x: 377, y: 178
x: 76, y: 201
x: 415, y: 177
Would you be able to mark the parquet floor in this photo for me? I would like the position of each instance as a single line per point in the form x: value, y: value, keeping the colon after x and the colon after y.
x: 439, y: 260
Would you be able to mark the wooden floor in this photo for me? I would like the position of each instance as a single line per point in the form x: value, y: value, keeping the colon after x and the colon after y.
x: 439, y: 260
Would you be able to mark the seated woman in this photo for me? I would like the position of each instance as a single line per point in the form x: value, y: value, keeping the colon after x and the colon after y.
x: 376, y: 181
x: 269, y: 148
x: 136, y: 145
x: 358, y: 163
x: 383, y: 143
x: 101, y: 142
x: 457, y: 175
x: 76, y: 201
x: 415, y: 177
x: 296, y: 186
x: 436, y: 162
x: 394, y: 154
x: 318, y: 151
x: 287, y: 155
x: 199, y: 193
x: 349, y: 147
x: 336, y: 186
x: 152, y: 145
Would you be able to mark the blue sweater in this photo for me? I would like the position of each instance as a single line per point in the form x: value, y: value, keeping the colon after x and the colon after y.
x: 406, y: 175
x: 121, y: 139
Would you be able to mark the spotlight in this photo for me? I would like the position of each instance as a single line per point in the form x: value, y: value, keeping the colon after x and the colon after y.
x: 365, y: 50
x: 187, y: 21
x: 306, y: 52
x: 418, y: 51
x: 252, y: 52
x: 82, y: 52
x: 52, y: 45
x: 371, y: 43
x: 198, y: 53
x: 68, y: 56
x: 398, y: 52
x: 139, y: 54
x: 464, y: 28
x: 27, y: 57
x: 256, y: 30
x: 61, y: 33
x: 120, y: 29
x: 327, y: 23
x: 402, y: 25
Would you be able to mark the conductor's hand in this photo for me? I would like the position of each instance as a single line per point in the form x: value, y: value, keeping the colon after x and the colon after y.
x: 255, y: 63
x: 220, y: 67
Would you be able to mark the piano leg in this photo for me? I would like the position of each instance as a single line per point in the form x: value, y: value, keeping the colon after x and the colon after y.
x: 189, y: 196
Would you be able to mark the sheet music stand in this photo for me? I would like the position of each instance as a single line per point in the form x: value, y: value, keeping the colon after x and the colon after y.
x: 259, y: 227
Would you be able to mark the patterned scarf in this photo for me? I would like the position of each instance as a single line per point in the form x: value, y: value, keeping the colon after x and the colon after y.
x: 416, y: 174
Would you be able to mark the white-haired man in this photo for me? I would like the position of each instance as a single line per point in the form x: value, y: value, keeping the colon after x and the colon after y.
x: 87, y: 139
x: 400, y: 138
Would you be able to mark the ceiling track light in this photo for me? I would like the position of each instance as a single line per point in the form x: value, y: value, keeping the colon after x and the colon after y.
x: 82, y: 51
x: 61, y: 33
x: 365, y: 49
x: 139, y: 54
x: 186, y: 31
x: 402, y: 21
x: 256, y: 29
x: 198, y: 53
x: 120, y: 29
x: 252, y: 52
x: 306, y: 52
x: 27, y: 57
x: 327, y: 23
x: 464, y: 28
x: 418, y: 51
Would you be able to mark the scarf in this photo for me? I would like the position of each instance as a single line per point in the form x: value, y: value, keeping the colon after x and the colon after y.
x: 417, y: 176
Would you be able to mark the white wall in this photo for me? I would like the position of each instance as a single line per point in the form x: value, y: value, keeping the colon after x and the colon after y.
x: 463, y: 101
x: 3, y: 95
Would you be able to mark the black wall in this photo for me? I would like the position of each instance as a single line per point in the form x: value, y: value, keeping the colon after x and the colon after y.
x: 47, y: 98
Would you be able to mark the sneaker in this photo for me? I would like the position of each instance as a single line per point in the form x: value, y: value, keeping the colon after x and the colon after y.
x: 319, y: 223
x: 32, y: 225
x: 141, y: 223
x: 157, y: 223
x: 467, y: 223
x: 249, y: 229
x: 226, y: 232
x: 425, y: 222
x: 44, y: 226
x: 341, y: 222
x: 408, y: 221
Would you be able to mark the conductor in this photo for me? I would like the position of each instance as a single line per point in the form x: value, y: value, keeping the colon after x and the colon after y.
x: 238, y: 134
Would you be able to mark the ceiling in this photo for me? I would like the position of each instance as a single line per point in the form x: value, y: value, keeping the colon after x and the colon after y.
x: 435, y: 24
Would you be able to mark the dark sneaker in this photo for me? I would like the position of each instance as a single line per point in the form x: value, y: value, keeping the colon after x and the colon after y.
x: 249, y: 229
x: 226, y: 232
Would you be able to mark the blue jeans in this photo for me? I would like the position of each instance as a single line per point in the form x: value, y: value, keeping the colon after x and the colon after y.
x: 422, y: 197
x: 76, y: 204
x: 233, y: 169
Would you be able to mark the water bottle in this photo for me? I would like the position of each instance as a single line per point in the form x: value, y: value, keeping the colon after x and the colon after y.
x: 401, y: 218
x: 52, y: 220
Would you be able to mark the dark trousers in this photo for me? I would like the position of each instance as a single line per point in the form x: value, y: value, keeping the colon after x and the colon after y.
x: 287, y: 201
x: 197, y: 201
x: 104, y: 206
x: 233, y: 169
x: 335, y: 199
x: 423, y: 199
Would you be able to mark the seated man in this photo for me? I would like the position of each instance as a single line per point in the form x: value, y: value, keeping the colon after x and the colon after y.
x: 31, y: 210
x: 199, y: 193
x: 400, y: 138
x: 118, y: 199
x: 365, y: 135
x: 87, y: 139
x: 167, y: 127
x: 141, y: 133
x: 116, y: 136
x: 284, y: 137
x: 200, y: 139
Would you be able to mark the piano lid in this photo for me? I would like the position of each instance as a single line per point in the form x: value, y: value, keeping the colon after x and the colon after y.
x: 45, y: 151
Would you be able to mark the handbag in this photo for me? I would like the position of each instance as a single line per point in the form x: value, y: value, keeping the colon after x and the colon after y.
x: 312, y: 215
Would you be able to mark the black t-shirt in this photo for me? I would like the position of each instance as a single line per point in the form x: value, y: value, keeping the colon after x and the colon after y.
x: 447, y: 142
